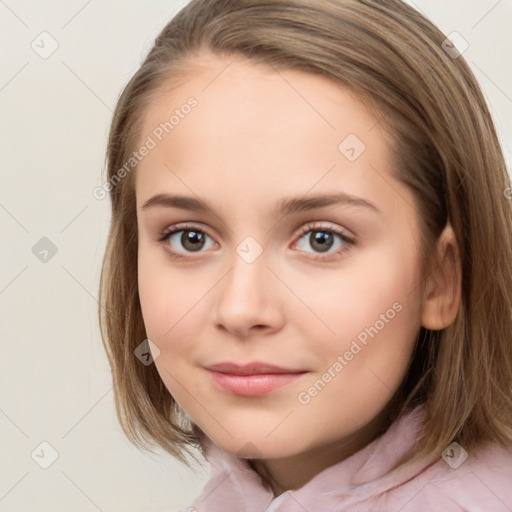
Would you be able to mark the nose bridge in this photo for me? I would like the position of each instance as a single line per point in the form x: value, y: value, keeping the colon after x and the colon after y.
x: 246, y: 296
x: 248, y: 272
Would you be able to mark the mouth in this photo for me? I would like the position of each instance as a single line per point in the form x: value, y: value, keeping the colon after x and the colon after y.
x: 253, y: 379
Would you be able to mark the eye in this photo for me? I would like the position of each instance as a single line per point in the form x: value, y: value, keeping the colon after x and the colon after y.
x: 325, y: 241
x: 189, y: 237
x: 322, y: 239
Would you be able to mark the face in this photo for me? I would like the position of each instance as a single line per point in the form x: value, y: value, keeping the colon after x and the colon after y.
x: 294, y: 247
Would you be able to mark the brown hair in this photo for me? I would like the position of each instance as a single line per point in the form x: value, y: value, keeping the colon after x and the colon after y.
x: 446, y: 150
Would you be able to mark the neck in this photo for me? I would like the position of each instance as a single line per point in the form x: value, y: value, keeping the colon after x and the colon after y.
x: 295, y: 471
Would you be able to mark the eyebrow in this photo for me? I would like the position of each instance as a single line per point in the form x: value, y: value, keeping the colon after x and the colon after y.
x: 285, y: 206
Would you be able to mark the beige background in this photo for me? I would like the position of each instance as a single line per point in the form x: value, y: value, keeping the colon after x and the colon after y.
x: 55, y: 383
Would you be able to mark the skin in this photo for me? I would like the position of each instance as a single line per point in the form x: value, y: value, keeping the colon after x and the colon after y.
x: 253, y: 140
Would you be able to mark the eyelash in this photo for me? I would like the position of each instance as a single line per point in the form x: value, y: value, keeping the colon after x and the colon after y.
x: 348, y: 242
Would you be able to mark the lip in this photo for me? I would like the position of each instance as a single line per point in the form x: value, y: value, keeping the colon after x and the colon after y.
x: 252, y: 379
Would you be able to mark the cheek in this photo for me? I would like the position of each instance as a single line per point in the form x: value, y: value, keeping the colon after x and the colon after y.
x: 174, y: 306
x: 166, y: 310
x: 373, y: 316
x: 163, y: 298
x: 169, y: 308
x: 377, y: 288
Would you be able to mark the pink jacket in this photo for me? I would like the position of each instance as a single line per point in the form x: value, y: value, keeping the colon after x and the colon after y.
x: 480, y: 483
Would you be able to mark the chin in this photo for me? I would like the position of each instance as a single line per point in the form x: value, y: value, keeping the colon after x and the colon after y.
x: 258, y: 446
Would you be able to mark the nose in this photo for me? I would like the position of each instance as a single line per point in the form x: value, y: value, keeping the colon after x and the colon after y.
x: 248, y: 301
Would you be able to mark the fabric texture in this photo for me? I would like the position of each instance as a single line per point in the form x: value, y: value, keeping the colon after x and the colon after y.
x: 362, y: 482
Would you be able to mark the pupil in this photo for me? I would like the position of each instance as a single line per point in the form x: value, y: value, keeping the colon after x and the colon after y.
x: 323, y: 241
x: 190, y: 239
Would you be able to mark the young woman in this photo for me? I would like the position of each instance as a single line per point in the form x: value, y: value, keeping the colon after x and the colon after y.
x: 308, y: 273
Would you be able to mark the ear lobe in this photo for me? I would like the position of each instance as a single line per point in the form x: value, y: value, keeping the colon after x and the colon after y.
x: 443, y: 284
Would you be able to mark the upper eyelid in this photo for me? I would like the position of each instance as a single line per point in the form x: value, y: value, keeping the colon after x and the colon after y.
x: 300, y: 232
x: 318, y: 226
x: 185, y: 226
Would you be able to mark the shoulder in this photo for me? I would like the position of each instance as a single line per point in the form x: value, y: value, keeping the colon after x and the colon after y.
x: 477, y: 481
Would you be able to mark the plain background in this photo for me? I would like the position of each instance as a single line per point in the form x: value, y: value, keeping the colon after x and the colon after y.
x: 55, y: 383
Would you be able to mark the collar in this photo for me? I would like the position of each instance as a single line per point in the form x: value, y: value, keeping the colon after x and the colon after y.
x: 234, y: 485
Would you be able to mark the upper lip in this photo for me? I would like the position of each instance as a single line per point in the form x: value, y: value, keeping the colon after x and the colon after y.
x: 253, y: 368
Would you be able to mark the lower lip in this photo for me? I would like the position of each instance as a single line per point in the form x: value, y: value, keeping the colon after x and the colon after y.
x: 253, y: 385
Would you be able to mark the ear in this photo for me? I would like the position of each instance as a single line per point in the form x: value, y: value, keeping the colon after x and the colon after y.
x: 443, y: 283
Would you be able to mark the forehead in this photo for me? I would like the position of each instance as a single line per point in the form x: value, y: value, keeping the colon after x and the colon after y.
x: 232, y: 88
x: 258, y: 127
